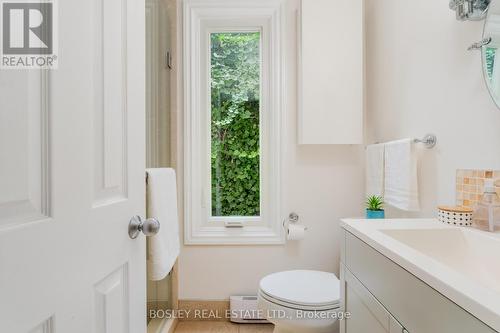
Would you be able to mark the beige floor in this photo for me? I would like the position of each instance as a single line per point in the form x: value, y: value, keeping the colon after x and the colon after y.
x: 220, y: 327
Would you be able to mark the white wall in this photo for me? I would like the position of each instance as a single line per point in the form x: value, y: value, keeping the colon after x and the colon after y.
x: 321, y: 183
x: 420, y: 79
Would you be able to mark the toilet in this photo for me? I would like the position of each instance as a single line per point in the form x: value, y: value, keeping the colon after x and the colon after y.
x: 301, y: 301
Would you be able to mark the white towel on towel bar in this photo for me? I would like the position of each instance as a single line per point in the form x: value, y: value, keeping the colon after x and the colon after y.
x: 375, y: 169
x: 401, y: 175
x: 164, y: 247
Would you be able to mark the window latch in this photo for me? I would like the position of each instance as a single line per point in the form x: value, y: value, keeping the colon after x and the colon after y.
x: 233, y: 224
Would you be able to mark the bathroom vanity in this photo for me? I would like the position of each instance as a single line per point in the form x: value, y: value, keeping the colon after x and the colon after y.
x: 419, y: 276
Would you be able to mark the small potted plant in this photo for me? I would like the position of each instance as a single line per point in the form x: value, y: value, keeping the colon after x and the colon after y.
x: 374, y: 207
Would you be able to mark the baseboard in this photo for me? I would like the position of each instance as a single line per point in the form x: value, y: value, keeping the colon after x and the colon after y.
x: 203, y: 310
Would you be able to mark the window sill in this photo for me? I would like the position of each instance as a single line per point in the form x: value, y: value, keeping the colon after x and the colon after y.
x: 250, y: 235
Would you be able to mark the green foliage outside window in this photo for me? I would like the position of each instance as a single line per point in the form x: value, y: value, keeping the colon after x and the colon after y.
x: 235, y: 155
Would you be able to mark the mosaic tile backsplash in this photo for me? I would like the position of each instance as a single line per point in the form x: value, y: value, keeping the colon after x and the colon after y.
x: 470, y: 185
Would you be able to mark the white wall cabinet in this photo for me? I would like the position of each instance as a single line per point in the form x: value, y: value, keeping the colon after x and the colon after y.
x: 383, y: 297
x: 331, y: 72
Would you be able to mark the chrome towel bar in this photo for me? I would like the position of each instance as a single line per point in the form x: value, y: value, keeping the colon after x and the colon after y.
x: 430, y: 141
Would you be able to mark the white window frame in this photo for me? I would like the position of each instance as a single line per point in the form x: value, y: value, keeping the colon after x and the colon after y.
x: 200, y: 18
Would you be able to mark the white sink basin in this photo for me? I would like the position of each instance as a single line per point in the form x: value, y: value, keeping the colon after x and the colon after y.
x: 468, y: 252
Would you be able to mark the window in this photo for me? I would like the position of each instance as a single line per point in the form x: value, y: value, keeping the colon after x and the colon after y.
x: 233, y: 101
x: 235, y: 110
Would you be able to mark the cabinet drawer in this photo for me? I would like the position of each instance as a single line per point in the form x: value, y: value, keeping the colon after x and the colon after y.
x: 420, y: 308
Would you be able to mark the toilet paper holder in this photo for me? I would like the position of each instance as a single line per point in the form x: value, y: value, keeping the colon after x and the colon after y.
x: 292, y: 218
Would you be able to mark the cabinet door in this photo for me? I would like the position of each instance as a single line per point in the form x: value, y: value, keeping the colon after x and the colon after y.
x: 366, y: 313
x: 331, y: 72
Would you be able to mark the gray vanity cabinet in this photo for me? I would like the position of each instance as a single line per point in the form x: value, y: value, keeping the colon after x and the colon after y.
x: 383, y: 297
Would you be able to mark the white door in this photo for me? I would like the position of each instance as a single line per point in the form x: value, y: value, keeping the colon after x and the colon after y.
x: 71, y: 177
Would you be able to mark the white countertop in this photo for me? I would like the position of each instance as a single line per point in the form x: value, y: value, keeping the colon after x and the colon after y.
x: 482, y: 300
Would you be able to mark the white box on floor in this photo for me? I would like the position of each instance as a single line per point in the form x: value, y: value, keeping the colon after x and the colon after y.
x: 243, y: 309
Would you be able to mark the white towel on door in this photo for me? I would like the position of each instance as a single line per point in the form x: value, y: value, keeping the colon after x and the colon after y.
x: 401, y: 183
x: 164, y: 247
x: 375, y: 170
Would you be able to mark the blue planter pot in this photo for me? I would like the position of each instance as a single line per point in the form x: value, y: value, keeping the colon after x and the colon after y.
x: 375, y: 214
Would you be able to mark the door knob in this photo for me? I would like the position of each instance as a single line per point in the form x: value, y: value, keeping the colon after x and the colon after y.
x: 149, y: 227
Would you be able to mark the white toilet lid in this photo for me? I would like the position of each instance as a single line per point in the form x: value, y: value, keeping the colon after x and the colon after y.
x: 307, y: 288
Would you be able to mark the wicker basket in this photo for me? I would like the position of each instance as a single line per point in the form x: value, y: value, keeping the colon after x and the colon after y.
x: 459, y: 216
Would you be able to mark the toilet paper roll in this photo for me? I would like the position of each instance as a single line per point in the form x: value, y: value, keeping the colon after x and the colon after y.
x: 295, y: 232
